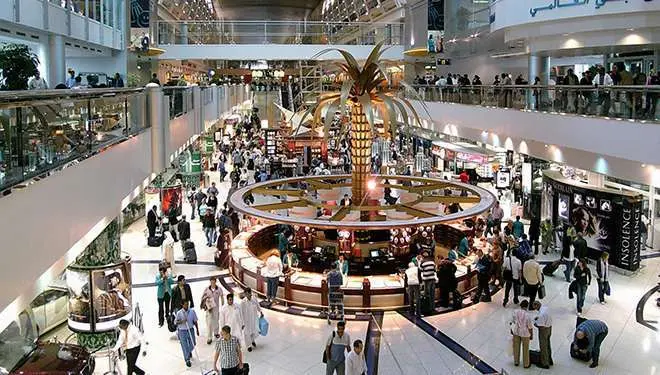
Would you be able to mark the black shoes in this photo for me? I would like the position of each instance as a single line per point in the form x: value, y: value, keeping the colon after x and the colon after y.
x: 250, y: 349
x: 188, y: 364
x: 593, y: 365
x: 542, y: 366
x: 209, y: 341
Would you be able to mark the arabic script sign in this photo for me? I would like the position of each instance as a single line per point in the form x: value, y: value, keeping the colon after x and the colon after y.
x: 557, y: 4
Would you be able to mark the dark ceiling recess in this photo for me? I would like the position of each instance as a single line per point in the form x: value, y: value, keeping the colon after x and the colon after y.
x: 272, y: 10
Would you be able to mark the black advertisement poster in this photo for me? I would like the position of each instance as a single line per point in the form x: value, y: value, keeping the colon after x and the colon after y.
x: 140, y: 13
x: 608, y: 221
x: 629, y: 243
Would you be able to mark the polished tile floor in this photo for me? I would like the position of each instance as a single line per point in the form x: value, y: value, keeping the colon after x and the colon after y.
x: 295, y: 343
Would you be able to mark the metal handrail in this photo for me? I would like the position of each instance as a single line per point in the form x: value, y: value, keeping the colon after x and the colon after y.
x: 33, y: 97
x: 287, y: 32
x: 631, y: 102
x: 276, y: 22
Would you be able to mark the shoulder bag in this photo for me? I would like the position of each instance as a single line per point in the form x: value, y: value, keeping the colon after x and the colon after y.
x: 325, y: 349
x: 507, y: 274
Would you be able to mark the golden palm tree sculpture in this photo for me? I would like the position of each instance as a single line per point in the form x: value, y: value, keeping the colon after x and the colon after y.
x: 363, y: 94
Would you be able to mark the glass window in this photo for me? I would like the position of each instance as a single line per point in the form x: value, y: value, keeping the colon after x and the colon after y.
x: 108, y: 12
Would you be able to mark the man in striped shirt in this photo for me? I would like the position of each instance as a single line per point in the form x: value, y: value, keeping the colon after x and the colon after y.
x: 427, y: 270
x: 228, y: 349
x: 589, y: 335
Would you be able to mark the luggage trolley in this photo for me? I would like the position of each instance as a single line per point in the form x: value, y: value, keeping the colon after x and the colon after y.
x: 335, y: 295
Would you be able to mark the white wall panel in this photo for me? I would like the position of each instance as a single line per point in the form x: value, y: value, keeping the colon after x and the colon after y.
x: 107, y: 35
x: 53, y: 214
x: 181, y: 129
x: 31, y: 13
x: 267, y: 51
x: 78, y: 27
x: 94, y: 32
x: 508, y: 13
x: 57, y: 19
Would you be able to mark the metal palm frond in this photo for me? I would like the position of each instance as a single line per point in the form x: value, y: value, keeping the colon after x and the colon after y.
x: 362, y: 88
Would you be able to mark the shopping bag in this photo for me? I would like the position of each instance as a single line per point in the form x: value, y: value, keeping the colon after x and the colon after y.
x: 263, y: 326
x: 606, y: 287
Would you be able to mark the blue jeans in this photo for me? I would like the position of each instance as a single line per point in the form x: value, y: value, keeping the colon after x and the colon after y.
x: 569, y: 268
x: 272, y: 284
x: 581, y: 293
x: 333, y: 366
x: 595, y: 352
x: 429, y: 291
x: 210, y: 236
x: 187, y: 341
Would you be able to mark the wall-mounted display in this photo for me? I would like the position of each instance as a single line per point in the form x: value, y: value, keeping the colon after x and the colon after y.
x: 99, y: 297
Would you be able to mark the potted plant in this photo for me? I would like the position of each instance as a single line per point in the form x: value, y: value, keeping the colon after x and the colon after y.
x: 17, y: 64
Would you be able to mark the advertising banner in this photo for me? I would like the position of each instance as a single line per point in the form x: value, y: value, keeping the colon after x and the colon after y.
x: 608, y: 221
x: 99, y: 297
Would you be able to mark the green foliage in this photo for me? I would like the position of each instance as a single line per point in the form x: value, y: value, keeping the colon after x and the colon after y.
x: 18, y: 63
x: 134, y: 80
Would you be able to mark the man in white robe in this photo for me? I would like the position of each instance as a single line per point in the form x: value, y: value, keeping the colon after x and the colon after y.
x: 230, y: 315
x: 251, y: 312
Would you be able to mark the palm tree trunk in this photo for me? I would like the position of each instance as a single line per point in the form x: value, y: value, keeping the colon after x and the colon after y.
x: 360, y: 153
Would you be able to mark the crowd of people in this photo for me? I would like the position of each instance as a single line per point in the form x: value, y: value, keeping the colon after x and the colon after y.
x: 75, y: 82
x: 512, y: 265
x: 509, y: 263
x: 636, y: 103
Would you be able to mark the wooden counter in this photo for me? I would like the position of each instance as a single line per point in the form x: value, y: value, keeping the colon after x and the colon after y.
x: 386, y: 292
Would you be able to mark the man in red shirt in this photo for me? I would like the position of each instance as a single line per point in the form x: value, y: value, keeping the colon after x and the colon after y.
x: 465, y: 178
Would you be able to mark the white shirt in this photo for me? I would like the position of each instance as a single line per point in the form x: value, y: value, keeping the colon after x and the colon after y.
x: 412, y: 274
x: 273, y: 267
x: 131, y: 337
x: 607, y: 80
x: 37, y: 84
x: 512, y: 263
x: 355, y: 363
x: 543, y: 319
x: 521, y: 323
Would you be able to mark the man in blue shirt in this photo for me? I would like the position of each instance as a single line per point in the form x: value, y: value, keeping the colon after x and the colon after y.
x: 186, y: 320
x: 589, y: 335
x: 464, y: 246
x: 518, y: 228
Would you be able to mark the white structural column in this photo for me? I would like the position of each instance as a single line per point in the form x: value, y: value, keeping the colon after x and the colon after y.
x: 56, y: 60
x: 157, y: 119
x: 416, y: 24
x: 538, y: 66
x: 183, y: 34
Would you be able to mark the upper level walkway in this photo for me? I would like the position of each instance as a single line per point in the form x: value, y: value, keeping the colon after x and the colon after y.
x: 274, y: 40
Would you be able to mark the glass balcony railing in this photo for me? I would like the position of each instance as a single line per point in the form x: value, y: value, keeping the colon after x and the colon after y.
x: 44, y: 130
x: 278, y: 32
x: 180, y: 100
x: 622, y: 102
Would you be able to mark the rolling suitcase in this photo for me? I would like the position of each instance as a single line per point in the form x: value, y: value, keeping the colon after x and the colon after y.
x: 189, y: 253
x: 550, y: 268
